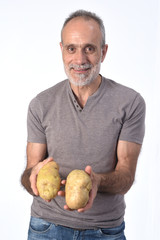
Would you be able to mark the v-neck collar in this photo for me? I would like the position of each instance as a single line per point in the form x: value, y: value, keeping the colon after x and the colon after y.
x: 94, y: 95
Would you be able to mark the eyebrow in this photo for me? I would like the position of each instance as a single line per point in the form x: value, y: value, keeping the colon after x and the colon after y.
x: 77, y: 45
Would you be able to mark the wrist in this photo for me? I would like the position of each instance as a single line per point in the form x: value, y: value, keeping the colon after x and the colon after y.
x: 98, y: 180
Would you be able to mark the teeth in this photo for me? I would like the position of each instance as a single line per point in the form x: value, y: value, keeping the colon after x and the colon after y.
x: 80, y: 67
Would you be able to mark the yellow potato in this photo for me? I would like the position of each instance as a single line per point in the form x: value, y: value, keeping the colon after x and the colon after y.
x: 48, y: 181
x: 78, y: 186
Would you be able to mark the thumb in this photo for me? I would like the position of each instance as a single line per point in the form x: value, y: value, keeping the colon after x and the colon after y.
x: 41, y: 164
x: 88, y: 170
x: 49, y: 159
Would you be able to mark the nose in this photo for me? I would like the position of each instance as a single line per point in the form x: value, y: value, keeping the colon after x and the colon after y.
x: 80, y: 57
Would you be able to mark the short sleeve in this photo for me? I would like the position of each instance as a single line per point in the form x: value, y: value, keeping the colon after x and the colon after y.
x: 133, y: 128
x: 36, y: 132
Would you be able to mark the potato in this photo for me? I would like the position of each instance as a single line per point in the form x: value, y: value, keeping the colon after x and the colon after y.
x: 48, y: 181
x: 78, y: 186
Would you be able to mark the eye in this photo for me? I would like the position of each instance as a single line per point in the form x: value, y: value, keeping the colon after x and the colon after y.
x: 71, y: 49
x: 89, y: 49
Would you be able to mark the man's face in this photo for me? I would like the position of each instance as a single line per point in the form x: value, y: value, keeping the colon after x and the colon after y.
x: 81, y: 50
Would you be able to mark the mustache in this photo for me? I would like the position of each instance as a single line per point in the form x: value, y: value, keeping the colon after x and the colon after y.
x: 82, y: 66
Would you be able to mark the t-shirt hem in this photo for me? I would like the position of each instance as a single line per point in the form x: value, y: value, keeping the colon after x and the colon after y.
x: 134, y: 140
x: 84, y: 225
x: 35, y: 140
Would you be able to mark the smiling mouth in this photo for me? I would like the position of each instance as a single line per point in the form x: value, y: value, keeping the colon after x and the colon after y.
x: 80, y: 69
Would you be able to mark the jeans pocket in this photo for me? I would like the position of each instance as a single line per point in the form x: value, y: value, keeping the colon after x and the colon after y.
x: 110, y: 236
x: 116, y: 233
x: 38, y: 225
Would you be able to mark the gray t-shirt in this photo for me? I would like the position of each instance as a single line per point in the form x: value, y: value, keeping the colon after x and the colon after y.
x: 77, y: 137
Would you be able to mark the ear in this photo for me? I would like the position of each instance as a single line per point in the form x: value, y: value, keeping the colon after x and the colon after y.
x: 61, y: 46
x: 104, y: 52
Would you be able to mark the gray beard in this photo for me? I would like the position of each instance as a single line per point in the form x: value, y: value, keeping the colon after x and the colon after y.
x: 83, y: 80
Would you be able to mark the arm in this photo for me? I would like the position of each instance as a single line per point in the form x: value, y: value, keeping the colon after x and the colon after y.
x: 36, y: 153
x: 121, y: 179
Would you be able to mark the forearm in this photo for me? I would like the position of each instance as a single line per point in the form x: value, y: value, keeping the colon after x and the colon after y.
x: 25, y: 180
x: 36, y: 152
x: 120, y: 180
x: 116, y: 182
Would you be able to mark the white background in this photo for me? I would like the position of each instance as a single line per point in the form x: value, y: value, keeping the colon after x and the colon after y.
x: 30, y: 61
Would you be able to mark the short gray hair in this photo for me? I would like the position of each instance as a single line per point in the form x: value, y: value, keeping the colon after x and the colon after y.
x: 87, y: 16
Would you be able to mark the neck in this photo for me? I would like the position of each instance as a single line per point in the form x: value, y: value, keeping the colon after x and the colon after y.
x: 82, y: 93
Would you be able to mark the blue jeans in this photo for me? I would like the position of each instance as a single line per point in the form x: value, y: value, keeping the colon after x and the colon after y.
x: 41, y: 229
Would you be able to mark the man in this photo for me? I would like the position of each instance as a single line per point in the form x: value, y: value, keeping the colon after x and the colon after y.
x: 88, y: 122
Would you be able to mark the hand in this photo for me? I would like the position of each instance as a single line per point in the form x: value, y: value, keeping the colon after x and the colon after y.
x: 34, y: 173
x: 95, y: 184
x: 93, y: 193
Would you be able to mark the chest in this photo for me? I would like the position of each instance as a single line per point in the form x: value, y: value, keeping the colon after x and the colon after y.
x: 76, y: 139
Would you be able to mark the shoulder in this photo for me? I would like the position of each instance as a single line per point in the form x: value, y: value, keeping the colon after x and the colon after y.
x: 53, y: 91
x: 121, y: 93
x: 49, y: 97
x: 115, y: 87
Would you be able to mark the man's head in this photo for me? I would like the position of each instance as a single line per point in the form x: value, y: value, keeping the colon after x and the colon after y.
x: 86, y: 16
x: 83, y: 47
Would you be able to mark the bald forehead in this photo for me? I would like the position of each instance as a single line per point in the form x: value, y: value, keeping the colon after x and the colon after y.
x: 81, y: 24
x: 81, y: 18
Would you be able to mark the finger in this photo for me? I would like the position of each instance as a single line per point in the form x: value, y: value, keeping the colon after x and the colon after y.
x: 84, y: 209
x: 49, y: 159
x: 89, y: 204
x: 81, y: 210
x: 87, y: 207
x: 88, y: 170
x: 67, y: 208
x: 33, y: 180
x: 61, y: 193
x: 41, y: 164
x: 63, y: 182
